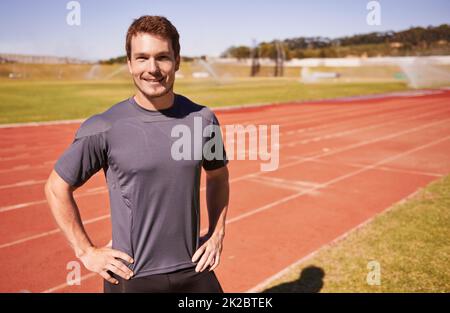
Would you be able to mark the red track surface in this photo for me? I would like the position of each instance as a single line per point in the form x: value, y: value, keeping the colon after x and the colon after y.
x: 341, y: 163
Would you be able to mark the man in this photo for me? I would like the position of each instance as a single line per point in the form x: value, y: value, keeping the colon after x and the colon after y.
x: 154, y: 197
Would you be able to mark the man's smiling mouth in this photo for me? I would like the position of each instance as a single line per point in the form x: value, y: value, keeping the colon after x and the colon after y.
x: 154, y: 80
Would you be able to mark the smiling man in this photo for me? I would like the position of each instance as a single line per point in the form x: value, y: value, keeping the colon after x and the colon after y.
x: 154, y: 198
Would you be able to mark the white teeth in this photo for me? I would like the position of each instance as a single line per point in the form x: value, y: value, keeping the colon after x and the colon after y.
x: 152, y: 80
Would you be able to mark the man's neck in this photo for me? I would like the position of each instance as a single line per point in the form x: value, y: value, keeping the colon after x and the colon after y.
x: 157, y: 103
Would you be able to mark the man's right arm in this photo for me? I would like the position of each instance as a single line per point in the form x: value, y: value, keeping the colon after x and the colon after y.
x: 67, y: 215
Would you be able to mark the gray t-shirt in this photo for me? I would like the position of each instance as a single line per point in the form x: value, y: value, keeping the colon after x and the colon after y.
x: 154, y: 199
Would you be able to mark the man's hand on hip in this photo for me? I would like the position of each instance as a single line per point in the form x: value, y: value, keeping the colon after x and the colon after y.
x: 101, y: 260
x: 208, y: 253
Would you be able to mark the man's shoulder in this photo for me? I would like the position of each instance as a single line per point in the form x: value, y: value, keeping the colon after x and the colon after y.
x: 102, y: 122
x: 94, y: 125
x: 197, y: 109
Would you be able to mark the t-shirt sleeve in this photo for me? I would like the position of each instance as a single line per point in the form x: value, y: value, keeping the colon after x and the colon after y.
x: 214, y: 154
x: 85, y: 156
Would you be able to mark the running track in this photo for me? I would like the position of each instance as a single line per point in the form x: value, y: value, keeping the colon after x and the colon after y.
x: 341, y: 163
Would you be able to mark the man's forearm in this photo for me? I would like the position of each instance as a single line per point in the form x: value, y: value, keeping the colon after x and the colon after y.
x: 217, y: 197
x: 67, y: 216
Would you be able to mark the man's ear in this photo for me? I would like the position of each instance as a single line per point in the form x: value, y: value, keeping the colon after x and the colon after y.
x: 129, y: 66
x: 177, y: 63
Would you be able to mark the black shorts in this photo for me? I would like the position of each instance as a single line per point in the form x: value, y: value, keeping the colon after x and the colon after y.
x: 183, y: 281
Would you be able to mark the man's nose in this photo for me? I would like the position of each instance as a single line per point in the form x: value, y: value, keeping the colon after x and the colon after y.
x: 153, y: 66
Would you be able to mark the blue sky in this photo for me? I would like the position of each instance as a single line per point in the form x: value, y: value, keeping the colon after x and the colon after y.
x: 206, y: 26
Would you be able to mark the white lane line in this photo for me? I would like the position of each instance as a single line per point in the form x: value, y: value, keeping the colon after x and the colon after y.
x: 26, y: 167
x: 64, y: 285
x: 18, y: 156
x: 27, y: 204
x: 51, y: 232
x: 399, y: 170
x: 303, y: 186
x: 35, y: 124
x: 23, y: 183
x: 382, y: 168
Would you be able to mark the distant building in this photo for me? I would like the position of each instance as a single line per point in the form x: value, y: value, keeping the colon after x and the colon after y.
x: 396, y: 45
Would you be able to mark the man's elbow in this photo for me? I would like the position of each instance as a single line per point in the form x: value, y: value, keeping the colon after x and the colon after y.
x: 49, y: 188
x: 55, y: 187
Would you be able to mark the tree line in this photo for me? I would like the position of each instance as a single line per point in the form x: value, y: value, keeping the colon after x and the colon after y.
x: 432, y: 40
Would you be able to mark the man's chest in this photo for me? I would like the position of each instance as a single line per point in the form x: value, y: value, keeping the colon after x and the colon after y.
x: 136, y: 146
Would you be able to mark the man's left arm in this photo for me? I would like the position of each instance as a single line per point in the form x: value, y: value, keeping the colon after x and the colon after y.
x: 217, y: 197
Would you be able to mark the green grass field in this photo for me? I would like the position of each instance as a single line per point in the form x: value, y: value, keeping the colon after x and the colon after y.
x: 74, y: 72
x: 410, y: 242
x: 36, y: 100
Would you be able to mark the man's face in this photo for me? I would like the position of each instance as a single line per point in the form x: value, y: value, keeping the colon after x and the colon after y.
x: 153, y: 64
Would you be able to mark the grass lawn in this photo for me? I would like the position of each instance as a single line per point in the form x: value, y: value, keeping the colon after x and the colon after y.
x: 31, y: 101
x: 410, y: 242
